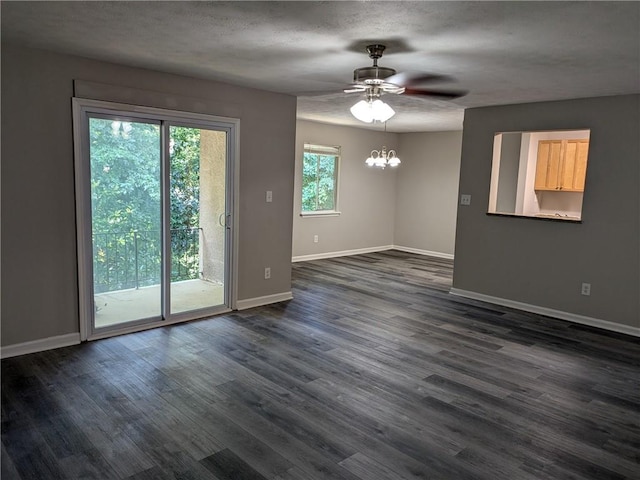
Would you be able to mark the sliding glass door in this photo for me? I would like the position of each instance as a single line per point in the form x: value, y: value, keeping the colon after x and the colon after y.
x: 155, y: 216
x: 126, y: 228
x: 197, y: 194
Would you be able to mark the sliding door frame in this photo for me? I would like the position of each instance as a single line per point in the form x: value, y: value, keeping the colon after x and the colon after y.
x: 82, y: 110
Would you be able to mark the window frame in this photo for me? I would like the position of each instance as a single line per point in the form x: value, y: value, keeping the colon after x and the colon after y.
x: 529, y: 201
x: 332, y: 150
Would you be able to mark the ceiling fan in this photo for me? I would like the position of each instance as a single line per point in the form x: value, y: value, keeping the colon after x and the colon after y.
x: 374, y: 81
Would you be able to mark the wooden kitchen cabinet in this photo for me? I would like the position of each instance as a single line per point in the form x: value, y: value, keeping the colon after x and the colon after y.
x: 561, y: 165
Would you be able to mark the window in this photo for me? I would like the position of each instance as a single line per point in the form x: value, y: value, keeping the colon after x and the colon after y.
x: 539, y: 174
x: 320, y: 179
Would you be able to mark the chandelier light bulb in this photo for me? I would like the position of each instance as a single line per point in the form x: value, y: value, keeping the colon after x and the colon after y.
x: 393, y: 161
x: 382, y: 158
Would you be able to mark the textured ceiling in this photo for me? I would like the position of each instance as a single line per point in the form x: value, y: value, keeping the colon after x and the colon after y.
x: 501, y: 52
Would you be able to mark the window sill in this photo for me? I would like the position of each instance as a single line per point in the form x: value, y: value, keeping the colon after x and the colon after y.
x: 325, y: 213
x: 552, y: 218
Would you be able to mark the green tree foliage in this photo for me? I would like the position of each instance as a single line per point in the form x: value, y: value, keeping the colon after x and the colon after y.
x: 318, y: 182
x: 126, y: 202
x: 185, y: 177
x: 125, y: 175
x: 184, y: 192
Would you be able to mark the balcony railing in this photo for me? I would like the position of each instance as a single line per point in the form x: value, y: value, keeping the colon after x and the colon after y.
x: 124, y: 260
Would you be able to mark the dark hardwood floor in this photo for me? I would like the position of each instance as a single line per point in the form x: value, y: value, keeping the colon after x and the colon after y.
x: 372, y: 372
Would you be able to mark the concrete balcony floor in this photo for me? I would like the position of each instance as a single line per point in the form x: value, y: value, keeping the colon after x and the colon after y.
x: 123, y: 306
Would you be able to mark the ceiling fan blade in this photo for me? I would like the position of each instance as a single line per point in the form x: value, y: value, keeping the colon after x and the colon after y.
x: 446, y: 94
x: 404, y: 79
x: 355, y: 88
x: 323, y: 93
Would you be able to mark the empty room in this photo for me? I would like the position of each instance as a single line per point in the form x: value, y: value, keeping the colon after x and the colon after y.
x: 320, y: 240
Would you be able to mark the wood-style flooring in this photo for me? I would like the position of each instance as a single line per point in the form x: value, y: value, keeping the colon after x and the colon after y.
x: 372, y: 372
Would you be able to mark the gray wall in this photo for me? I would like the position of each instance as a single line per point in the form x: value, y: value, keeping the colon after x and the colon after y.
x: 366, y: 196
x: 413, y: 206
x: 542, y: 262
x: 427, y: 191
x: 39, y: 271
x: 509, y: 169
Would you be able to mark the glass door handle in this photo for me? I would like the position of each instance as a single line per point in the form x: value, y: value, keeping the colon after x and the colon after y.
x: 224, y: 220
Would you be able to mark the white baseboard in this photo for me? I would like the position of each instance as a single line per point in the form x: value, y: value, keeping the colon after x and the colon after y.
x: 342, y: 253
x: 40, y: 345
x: 266, y: 300
x: 360, y: 251
x: 74, y: 338
x: 571, y: 317
x: 429, y: 253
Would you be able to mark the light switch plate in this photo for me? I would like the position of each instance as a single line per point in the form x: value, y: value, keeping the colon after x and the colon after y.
x: 269, y: 196
x: 465, y: 199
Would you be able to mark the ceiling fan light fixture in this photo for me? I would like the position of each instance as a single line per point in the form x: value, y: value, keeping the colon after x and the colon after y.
x: 368, y: 111
x: 375, y: 81
x: 381, y: 111
x: 362, y: 111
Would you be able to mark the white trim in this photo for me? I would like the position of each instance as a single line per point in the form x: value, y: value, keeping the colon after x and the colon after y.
x: 360, y: 251
x: 40, y: 345
x: 343, y: 253
x: 266, y: 300
x: 571, y: 317
x: 321, y: 213
x: 233, y: 152
x: 190, y: 316
x: 83, y: 217
x: 151, y: 113
x: 336, y: 152
x: 428, y: 253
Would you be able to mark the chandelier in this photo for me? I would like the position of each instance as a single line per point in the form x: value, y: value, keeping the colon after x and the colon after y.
x: 382, y: 158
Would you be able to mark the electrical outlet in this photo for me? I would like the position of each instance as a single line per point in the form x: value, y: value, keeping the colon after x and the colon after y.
x: 465, y: 199
x: 315, y: 239
x: 586, y: 289
x: 267, y: 273
x: 269, y: 196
